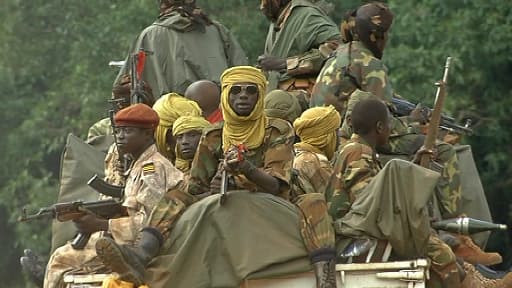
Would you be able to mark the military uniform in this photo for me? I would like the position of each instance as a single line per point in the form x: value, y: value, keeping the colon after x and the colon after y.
x: 274, y: 156
x: 356, y: 165
x: 298, y: 35
x: 102, y: 127
x: 148, y: 179
x: 183, y: 53
x: 353, y: 69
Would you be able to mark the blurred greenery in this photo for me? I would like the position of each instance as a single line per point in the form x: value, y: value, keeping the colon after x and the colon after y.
x: 54, y: 80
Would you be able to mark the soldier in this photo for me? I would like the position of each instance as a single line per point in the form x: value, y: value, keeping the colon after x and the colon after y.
x: 357, y: 164
x: 149, y: 177
x: 121, y: 99
x: 283, y: 105
x: 185, y: 45
x: 170, y: 107
x: 207, y: 95
x: 317, y: 129
x: 188, y: 131
x: 300, y: 37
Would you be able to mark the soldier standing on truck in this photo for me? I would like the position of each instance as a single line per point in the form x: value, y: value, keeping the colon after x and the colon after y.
x: 300, y: 37
x: 184, y: 45
x: 150, y: 175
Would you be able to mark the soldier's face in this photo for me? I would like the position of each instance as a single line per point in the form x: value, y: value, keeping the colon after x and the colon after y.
x: 243, y: 98
x: 132, y: 140
x: 187, y: 143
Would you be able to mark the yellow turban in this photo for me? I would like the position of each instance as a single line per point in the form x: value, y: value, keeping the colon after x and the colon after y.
x: 186, y: 124
x: 169, y: 108
x: 317, y: 128
x: 248, y: 130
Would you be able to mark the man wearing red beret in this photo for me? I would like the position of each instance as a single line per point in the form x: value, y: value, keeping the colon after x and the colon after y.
x: 148, y: 178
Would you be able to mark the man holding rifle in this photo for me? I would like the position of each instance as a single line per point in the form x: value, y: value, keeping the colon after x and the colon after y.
x: 148, y: 177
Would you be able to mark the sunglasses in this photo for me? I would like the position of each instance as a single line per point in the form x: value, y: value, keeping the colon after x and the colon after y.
x: 249, y: 89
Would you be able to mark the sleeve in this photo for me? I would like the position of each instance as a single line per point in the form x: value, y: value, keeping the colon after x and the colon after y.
x: 205, y: 163
x: 278, y: 158
x: 374, y: 77
x: 312, y: 175
x: 327, y: 88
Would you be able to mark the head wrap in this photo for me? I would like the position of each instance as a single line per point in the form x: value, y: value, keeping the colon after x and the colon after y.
x: 123, y: 89
x: 317, y: 129
x: 186, y: 124
x: 283, y: 105
x: 248, y: 130
x: 367, y: 24
x: 187, y: 9
x: 169, y: 108
x: 137, y: 115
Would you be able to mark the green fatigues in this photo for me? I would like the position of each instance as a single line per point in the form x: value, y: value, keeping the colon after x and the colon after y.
x: 357, y: 164
x: 313, y: 171
x: 274, y: 156
x: 102, y: 127
x: 303, y: 29
x: 183, y: 54
x: 354, y: 68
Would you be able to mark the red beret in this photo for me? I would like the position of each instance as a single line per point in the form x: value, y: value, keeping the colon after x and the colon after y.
x: 137, y: 115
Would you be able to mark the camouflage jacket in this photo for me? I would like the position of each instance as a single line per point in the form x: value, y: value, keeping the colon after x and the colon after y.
x: 298, y: 34
x: 274, y: 156
x: 355, y: 167
x: 113, y: 172
x: 149, y: 178
x: 312, y: 172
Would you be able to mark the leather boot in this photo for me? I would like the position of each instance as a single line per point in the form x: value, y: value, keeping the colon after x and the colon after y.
x: 33, y: 267
x: 474, y: 279
x: 324, y: 263
x: 471, y: 253
x: 130, y: 261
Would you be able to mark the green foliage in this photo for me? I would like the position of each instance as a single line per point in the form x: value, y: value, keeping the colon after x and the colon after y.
x: 54, y: 80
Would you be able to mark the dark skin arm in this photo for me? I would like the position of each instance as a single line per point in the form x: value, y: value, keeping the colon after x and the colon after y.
x: 266, y: 182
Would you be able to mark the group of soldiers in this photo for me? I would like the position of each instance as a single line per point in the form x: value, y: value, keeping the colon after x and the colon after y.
x: 312, y: 124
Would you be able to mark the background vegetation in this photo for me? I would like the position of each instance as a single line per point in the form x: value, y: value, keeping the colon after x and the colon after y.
x: 54, y: 80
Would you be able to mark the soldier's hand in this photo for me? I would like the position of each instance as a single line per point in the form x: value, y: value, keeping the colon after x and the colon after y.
x: 423, y: 151
x: 271, y: 63
x: 418, y: 115
x: 90, y: 223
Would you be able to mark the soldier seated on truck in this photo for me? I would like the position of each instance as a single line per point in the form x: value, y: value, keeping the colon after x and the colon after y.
x: 355, y: 167
x: 150, y: 175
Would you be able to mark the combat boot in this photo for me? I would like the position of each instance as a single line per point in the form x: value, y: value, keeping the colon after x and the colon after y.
x: 33, y: 267
x: 130, y: 261
x: 324, y: 263
x: 474, y: 279
x: 471, y: 253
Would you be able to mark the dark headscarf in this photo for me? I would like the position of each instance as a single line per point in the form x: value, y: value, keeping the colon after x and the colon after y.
x: 367, y: 24
x: 186, y: 8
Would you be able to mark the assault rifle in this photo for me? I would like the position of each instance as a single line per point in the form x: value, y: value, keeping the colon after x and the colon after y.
x: 102, y: 187
x: 73, y: 210
x: 404, y: 108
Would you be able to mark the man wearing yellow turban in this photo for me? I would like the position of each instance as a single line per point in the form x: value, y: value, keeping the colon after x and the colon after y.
x: 187, y: 130
x: 317, y: 129
x: 170, y: 107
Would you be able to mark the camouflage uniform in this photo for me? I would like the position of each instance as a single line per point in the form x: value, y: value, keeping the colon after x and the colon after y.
x: 312, y: 172
x: 102, y: 127
x: 354, y: 68
x: 274, y: 156
x: 356, y: 165
x: 113, y: 173
x: 148, y: 179
x: 305, y: 35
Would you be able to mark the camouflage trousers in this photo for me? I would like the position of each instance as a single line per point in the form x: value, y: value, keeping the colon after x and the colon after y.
x: 449, y: 189
x: 66, y: 259
x: 443, y: 263
x: 316, y: 223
